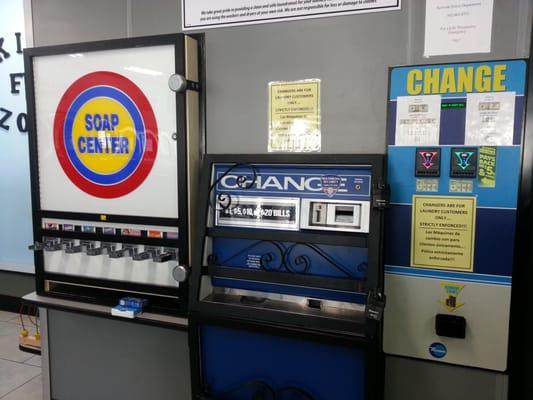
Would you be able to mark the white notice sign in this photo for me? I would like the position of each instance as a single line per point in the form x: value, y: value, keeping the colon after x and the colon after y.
x: 458, y: 27
x: 418, y: 120
x: 205, y: 14
x: 490, y: 118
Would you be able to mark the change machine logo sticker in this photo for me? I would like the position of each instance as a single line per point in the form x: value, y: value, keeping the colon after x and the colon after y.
x: 105, y: 134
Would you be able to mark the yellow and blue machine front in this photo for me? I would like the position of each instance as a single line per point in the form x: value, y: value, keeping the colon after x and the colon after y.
x: 454, y: 163
x: 287, y: 289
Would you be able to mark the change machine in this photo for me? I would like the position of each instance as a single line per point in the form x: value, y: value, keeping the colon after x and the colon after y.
x: 287, y: 285
x: 114, y: 141
x: 454, y: 163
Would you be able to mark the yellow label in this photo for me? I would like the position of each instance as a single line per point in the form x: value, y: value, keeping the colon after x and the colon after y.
x: 103, y: 135
x: 294, y: 116
x: 442, y: 232
x: 103, y: 217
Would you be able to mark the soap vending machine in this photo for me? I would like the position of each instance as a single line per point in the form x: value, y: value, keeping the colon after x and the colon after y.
x: 114, y: 151
x: 454, y: 163
x: 286, y: 299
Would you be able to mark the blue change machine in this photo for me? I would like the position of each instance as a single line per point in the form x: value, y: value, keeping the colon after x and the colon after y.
x: 287, y: 297
x: 454, y: 163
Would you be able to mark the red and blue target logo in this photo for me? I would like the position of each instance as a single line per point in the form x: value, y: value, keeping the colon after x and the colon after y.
x: 105, y: 134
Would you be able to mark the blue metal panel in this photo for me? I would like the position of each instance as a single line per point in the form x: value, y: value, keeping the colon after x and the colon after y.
x: 401, y: 177
x: 494, y: 244
x: 316, y: 260
x: 238, y: 364
x: 353, y: 183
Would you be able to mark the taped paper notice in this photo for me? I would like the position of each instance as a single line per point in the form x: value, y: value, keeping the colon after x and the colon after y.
x: 442, y: 232
x: 490, y: 118
x: 418, y: 120
x: 294, y: 116
x: 458, y: 27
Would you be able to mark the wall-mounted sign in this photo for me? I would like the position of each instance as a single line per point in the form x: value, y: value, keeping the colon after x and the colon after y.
x: 205, y: 14
x: 458, y: 27
x: 294, y: 116
x: 442, y: 232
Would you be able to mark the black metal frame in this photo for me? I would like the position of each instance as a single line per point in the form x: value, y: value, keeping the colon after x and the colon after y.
x: 363, y: 334
x: 181, y: 142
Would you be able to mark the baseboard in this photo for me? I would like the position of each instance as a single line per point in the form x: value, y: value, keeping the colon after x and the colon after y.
x: 10, y: 303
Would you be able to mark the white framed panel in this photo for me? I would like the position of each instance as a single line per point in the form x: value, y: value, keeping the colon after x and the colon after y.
x: 123, y: 269
x: 413, y: 303
x: 148, y: 68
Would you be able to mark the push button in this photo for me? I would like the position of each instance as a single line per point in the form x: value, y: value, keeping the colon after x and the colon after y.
x: 463, y: 162
x: 427, y: 162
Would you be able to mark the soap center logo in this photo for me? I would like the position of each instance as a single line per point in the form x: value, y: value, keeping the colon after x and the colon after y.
x: 105, y: 134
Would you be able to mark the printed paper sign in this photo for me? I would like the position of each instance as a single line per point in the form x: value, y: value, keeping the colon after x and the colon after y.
x: 490, y: 118
x: 458, y: 27
x: 442, y: 232
x: 418, y: 120
x: 294, y: 116
x: 219, y: 13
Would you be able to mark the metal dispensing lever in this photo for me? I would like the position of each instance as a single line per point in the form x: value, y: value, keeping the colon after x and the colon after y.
x: 125, y: 251
x: 84, y: 245
x: 48, y: 244
x: 107, y: 248
x: 36, y: 246
x: 168, y: 254
x: 149, y: 252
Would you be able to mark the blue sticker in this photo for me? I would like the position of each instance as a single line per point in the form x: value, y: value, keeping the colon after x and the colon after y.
x: 438, y: 350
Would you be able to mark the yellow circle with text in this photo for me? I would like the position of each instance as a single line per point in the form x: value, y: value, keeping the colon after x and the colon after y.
x: 103, y: 135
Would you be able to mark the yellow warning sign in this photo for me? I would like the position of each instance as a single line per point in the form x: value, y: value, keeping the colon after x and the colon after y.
x: 294, y: 116
x: 442, y: 232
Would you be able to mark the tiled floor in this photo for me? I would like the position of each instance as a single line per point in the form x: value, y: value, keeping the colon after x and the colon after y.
x: 20, y: 373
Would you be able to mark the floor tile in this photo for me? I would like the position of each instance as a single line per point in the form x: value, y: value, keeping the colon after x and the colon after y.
x: 14, y: 375
x: 32, y: 390
x: 35, y: 361
x: 6, y: 316
x: 9, y: 343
